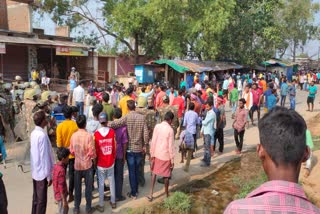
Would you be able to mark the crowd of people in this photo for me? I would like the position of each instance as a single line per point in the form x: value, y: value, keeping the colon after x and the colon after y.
x: 95, y: 131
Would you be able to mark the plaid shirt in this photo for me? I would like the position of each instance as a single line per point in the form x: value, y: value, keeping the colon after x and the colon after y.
x: 138, y: 134
x: 83, y: 148
x: 59, y: 181
x: 274, y: 197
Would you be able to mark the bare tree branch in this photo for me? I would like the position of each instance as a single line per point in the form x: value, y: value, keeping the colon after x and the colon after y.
x: 110, y: 33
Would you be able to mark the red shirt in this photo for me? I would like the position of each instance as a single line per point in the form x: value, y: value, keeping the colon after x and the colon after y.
x: 59, y: 181
x: 159, y: 99
x: 179, y: 101
x: 105, y: 147
x: 255, y: 97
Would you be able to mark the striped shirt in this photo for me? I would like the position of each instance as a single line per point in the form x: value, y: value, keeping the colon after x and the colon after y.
x: 274, y: 197
x: 83, y: 148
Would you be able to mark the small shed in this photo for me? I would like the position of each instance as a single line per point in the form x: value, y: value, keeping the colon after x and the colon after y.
x: 145, y: 73
x: 177, y: 69
x: 281, y: 66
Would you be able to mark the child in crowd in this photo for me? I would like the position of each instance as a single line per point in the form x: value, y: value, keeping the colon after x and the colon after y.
x: 186, y: 147
x: 75, y: 111
x: 59, y: 180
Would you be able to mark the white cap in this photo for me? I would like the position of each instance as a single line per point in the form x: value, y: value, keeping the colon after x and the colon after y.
x: 18, y: 78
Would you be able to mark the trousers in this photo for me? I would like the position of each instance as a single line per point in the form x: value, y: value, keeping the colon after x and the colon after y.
x: 238, y: 137
x: 39, y: 199
x: 88, y: 180
x: 220, y: 137
x: 104, y: 174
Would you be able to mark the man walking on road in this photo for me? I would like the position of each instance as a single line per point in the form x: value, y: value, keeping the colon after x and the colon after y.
x: 42, y: 162
x: 241, y: 119
x: 283, y: 92
x: 292, y: 94
x: 312, y: 95
x: 221, y: 123
x: 256, y: 100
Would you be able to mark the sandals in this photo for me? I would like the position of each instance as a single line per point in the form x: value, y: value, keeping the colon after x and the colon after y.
x: 150, y: 198
x: 131, y: 196
x: 113, y: 205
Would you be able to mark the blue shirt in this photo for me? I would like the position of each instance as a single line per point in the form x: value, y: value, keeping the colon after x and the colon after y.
x: 209, y: 123
x: 266, y: 94
x: 146, y: 95
x: 190, y: 121
x: 73, y: 84
x: 272, y: 101
x: 292, y: 91
x: 284, y: 89
x: 312, y: 91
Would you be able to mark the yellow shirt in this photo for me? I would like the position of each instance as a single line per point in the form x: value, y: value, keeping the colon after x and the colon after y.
x: 35, y: 75
x: 64, y: 132
x: 123, y: 105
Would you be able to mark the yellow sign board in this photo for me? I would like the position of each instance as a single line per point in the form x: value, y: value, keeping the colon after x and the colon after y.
x: 71, y: 51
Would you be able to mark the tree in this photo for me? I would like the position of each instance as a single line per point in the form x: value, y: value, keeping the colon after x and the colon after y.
x: 154, y: 27
x: 297, y: 19
x: 253, y: 32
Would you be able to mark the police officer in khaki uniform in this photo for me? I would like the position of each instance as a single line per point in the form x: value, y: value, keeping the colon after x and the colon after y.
x: 7, y: 112
x: 174, y: 109
x: 150, y: 116
x: 30, y: 101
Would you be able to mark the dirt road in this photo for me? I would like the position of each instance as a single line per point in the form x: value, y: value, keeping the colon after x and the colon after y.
x: 19, y: 185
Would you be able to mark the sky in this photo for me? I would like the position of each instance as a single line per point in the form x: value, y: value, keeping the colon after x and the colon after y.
x: 312, y: 48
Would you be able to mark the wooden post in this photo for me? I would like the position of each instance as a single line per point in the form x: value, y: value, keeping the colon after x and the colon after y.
x: 51, y: 63
x: 166, y: 73
x: 2, y: 72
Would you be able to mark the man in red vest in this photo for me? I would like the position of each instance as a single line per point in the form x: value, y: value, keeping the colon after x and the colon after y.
x: 106, y: 155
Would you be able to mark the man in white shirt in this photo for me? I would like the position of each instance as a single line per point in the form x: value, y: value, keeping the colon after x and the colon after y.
x: 197, y: 86
x: 78, y: 96
x: 42, y: 162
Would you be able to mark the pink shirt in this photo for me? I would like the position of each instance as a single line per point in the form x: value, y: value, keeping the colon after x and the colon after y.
x: 162, y: 144
x: 274, y: 197
x: 240, y: 119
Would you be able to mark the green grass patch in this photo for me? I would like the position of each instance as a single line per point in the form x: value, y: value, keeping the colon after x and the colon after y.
x: 245, y: 186
x: 178, y: 202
